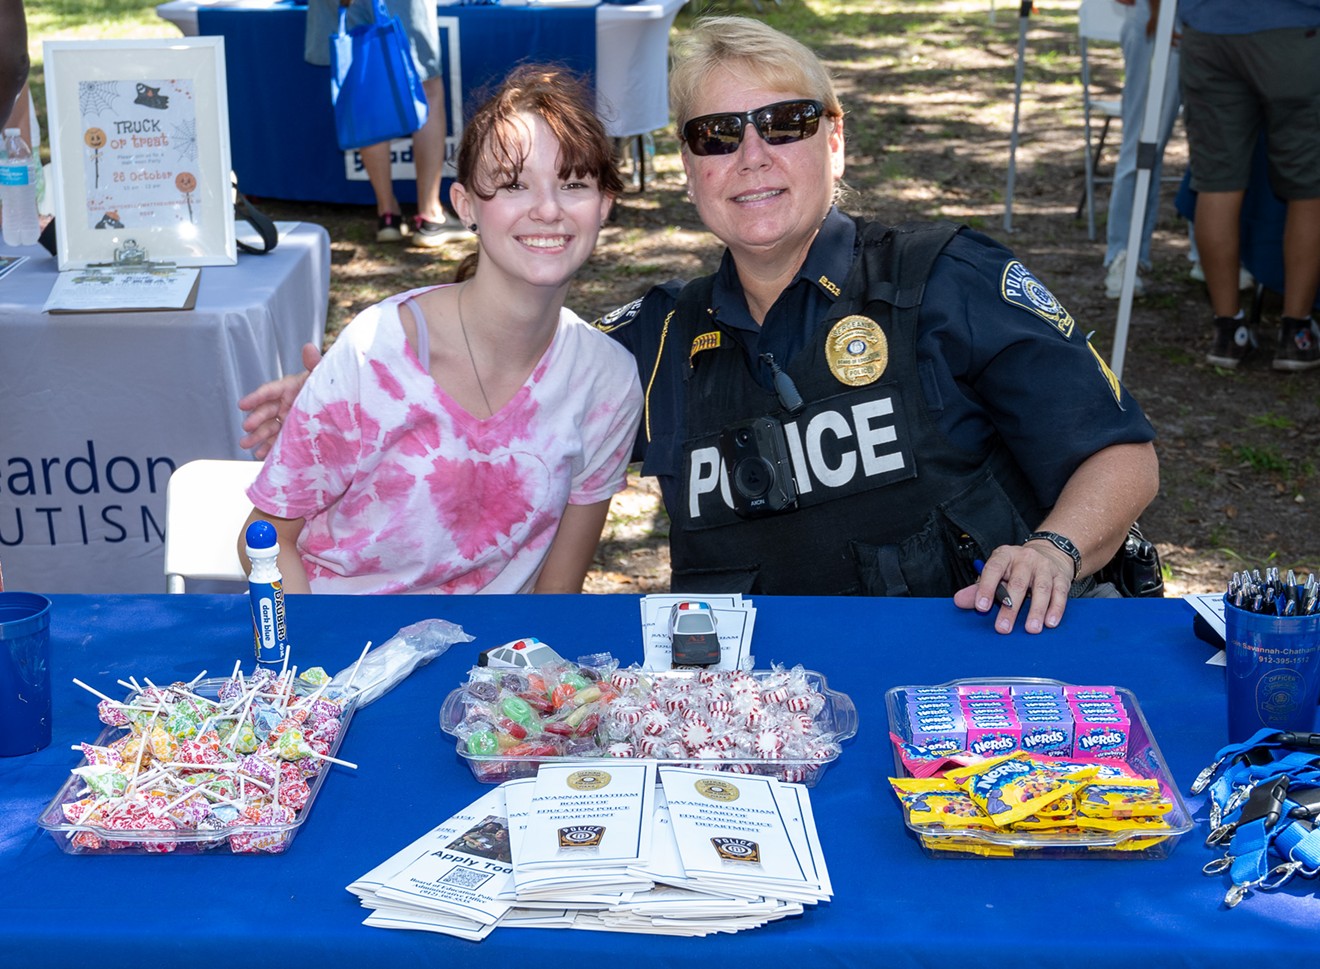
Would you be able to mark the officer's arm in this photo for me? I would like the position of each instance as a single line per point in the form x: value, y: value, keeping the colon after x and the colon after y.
x: 1101, y: 500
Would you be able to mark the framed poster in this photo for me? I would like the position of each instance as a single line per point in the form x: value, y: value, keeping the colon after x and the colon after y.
x: 139, y: 144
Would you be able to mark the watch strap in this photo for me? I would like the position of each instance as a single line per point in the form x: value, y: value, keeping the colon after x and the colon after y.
x: 1063, y: 545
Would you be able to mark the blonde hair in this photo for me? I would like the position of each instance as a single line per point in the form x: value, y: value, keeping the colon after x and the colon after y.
x: 752, y: 50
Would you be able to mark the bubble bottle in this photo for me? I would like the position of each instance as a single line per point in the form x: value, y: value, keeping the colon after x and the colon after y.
x: 266, y: 589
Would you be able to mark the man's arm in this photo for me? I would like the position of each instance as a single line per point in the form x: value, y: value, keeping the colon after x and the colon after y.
x: 269, y: 404
x: 1099, y: 503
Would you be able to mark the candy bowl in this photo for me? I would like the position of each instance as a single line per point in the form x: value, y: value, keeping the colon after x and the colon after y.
x: 780, y: 722
x: 1031, y: 768
x: 161, y: 783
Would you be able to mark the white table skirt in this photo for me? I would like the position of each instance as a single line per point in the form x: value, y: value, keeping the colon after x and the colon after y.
x: 99, y: 408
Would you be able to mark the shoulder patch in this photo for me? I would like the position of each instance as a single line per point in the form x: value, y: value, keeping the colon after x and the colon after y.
x: 1020, y: 288
x: 620, y: 316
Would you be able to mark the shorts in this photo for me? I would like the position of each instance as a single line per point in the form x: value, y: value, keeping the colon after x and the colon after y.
x: 1232, y: 84
x: 417, y: 16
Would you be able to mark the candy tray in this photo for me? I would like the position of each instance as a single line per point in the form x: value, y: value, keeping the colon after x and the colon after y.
x: 837, y: 718
x: 247, y: 838
x: 1143, y: 755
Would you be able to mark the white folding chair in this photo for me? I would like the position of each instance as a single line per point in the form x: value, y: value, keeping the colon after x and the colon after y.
x: 205, y: 507
x: 1102, y: 21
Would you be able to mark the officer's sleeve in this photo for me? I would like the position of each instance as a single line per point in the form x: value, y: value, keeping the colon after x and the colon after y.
x: 1018, y: 361
x: 640, y: 327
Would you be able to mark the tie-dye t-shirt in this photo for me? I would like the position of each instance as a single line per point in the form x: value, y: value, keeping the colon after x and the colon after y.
x: 402, y: 490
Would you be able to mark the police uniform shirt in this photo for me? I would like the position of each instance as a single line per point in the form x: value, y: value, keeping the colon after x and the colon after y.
x: 997, y: 355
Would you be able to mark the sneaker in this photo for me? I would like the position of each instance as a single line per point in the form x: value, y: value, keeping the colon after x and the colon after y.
x: 1114, y: 278
x: 1299, y: 345
x: 389, y: 227
x: 428, y: 233
x: 1235, y: 340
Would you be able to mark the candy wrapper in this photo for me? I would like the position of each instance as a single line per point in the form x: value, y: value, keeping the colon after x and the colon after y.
x: 385, y: 667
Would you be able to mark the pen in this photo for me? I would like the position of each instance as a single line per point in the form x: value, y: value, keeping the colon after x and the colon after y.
x: 1002, y: 598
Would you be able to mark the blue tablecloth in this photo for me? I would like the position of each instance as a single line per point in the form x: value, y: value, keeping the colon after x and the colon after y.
x: 281, y: 126
x: 893, y: 906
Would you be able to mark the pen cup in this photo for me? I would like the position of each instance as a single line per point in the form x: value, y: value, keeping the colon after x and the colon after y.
x: 24, y: 673
x: 1272, y: 671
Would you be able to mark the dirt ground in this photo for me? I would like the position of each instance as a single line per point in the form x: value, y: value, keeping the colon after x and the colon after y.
x: 929, y: 92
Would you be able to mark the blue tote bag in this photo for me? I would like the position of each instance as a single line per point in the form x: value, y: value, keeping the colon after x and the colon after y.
x: 373, y: 82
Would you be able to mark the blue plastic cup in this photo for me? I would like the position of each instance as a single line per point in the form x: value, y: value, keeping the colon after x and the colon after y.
x: 24, y: 673
x: 1272, y: 670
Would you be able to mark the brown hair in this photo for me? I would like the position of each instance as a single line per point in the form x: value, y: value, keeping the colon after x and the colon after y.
x: 563, y: 101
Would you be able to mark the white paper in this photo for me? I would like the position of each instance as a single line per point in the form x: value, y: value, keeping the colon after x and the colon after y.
x: 104, y: 291
x: 590, y: 814
x: 731, y: 833
x: 1210, y: 607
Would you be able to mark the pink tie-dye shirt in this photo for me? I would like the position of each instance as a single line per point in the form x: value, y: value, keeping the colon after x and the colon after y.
x: 402, y: 490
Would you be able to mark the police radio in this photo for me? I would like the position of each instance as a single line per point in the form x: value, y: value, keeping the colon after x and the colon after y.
x: 760, y: 473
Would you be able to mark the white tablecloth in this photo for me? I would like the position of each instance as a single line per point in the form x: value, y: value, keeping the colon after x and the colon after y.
x: 97, y: 409
x: 632, y: 57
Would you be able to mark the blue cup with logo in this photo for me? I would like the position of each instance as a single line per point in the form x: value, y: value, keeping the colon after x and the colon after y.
x: 24, y: 673
x: 1272, y: 670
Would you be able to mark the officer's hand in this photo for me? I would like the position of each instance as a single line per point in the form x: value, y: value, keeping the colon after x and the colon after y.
x: 269, y: 404
x: 1036, y: 575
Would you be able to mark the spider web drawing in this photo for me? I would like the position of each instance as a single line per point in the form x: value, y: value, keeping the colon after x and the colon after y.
x: 97, y: 96
x: 184, y: 139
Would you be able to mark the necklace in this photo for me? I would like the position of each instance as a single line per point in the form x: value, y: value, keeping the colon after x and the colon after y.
x: 490, y: 411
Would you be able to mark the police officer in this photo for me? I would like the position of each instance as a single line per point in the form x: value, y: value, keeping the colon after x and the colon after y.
x: 844, y: 408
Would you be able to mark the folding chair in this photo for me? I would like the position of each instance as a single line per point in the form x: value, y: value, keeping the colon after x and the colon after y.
x: 1097, y: 20
x: 205, y: 507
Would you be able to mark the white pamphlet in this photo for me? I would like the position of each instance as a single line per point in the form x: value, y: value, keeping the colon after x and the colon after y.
x: 590, y: 814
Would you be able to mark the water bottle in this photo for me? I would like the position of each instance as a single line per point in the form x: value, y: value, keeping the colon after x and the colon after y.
x: 18, y: 192
x: 266, y: 590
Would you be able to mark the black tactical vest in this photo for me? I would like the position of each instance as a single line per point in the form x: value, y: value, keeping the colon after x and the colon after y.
x: 886, y: 505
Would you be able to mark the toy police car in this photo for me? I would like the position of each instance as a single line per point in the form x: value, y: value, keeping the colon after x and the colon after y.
x: 521, y: 654
x: 692, y: 634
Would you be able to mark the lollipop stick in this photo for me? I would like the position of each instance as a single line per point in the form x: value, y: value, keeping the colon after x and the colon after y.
x: 353, y: 675
x: 93, y: 691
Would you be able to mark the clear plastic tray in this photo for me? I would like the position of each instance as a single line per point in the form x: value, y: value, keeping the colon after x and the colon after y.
x: 253, y: 838
x: 1143, y: 755
x: 838, y: 717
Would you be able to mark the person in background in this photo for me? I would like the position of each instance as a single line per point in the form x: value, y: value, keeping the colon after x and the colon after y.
x: 848, y: 408
x: 432, y: 225
x: 1137, y: 41
x: 469, y: 437
x: 13, y: 60
x: 1248, y: 67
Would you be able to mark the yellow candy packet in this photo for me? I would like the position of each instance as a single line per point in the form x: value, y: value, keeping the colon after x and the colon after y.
x: 1015, y: 786
x: 934, y: 801
x: 1135, y: 798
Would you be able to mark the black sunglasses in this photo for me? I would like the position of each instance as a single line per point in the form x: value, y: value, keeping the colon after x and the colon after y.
x: 780, y: 123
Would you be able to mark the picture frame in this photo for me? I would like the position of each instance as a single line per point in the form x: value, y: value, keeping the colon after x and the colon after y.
x: 139, y: 143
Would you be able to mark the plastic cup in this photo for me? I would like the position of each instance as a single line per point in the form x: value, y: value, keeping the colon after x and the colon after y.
x: 24, y: 673
x: 1272, y: 671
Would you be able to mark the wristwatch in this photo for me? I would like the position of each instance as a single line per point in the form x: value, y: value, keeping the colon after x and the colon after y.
x: 1062, y: 544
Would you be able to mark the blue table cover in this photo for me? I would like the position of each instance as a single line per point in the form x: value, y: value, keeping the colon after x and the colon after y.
x: 281, y: 125
x: 893, y: 905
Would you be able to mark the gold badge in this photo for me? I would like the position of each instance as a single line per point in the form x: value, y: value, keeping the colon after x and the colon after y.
x: 581, y: 836
x: 737, y: 849
x: 857, y: 351
x: 716, y: 790
x: 587, y: 780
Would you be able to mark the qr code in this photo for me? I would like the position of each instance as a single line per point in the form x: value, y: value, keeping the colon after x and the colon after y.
x: 464, y: 878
